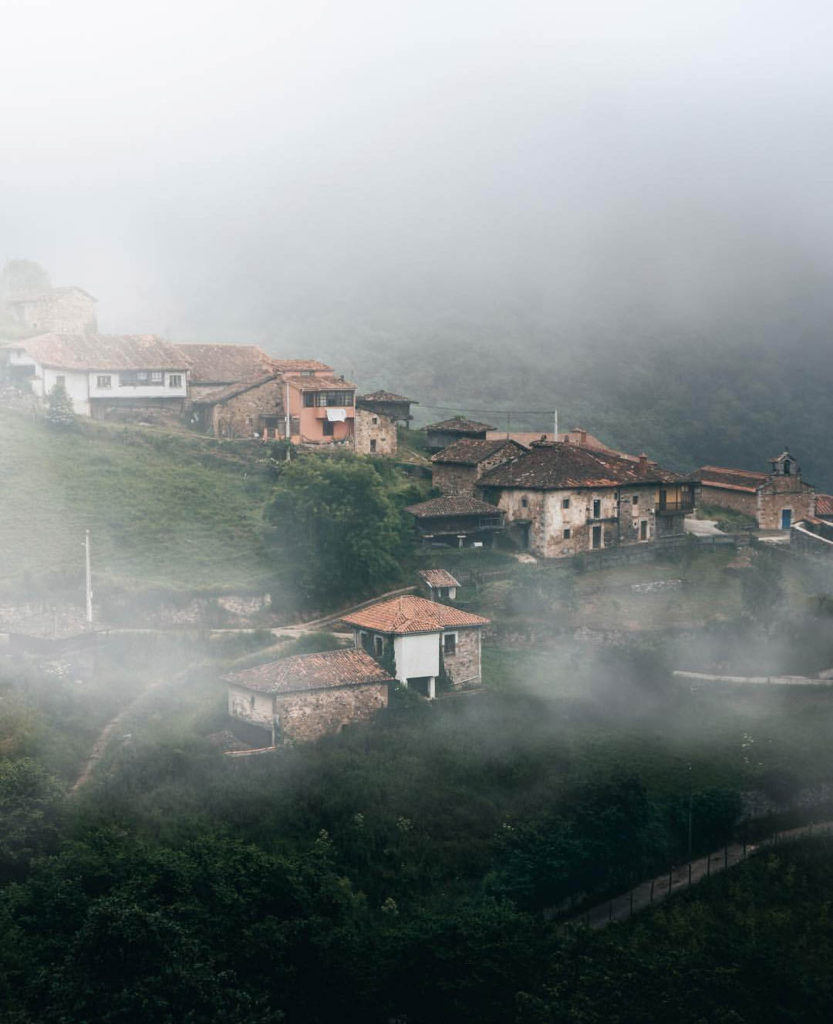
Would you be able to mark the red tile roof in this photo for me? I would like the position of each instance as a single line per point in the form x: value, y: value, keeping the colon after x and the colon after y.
x: 296, y: 365
x: 102, y: 352
x: 453, y: 505
x: 460, y: 425
x: 438, y: 578
x: 824, y: 504
x: 558, y: 466
x: 730, y: 479
x: 311, y: 672
x: 326, y: 383
x: 226, y: 364
x: 469, y: 451
x: 409, y: 614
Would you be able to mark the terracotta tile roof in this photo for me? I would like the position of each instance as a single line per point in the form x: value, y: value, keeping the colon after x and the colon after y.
x: 102, y: 352
x: 311, y: 672
x: 212, y: 396
x: 409, y: 614
x: 438, y: 578
x: 461, y: 425
x: 385, y: 396
x: 327, y: 383
x: 226, y: 364
x: 557, y: 466
x: 296, y: 365
x: 730, y: 479
x: 824, y: 504
x: 468, y: 451
x: 453, y: 505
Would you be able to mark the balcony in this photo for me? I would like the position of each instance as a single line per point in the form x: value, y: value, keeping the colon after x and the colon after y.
x: 670, y: 508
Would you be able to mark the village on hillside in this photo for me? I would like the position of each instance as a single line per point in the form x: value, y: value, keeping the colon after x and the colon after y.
x: 539, y: 496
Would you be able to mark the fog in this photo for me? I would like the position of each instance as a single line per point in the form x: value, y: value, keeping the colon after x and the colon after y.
x: 306, y: 174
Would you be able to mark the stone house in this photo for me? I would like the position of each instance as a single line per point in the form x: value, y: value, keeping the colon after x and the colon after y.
x: 439, y: 584
x: 105, y: 375
x: 311, y: 695
x: 776, y: 499
x: 457, y: 520
x: 58, y: 310
x: 377, y: 416
x: 441, y: 435
x: 561, y: 499
x: 419, y: 633
x: 456, y: 469
x: 251, y: 408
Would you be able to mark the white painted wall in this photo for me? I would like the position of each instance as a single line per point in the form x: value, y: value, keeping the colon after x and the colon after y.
x: 417, y: 654
x: 76, y: 384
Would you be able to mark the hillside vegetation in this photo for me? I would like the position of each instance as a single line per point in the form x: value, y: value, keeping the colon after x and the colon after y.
x: 164, y: 509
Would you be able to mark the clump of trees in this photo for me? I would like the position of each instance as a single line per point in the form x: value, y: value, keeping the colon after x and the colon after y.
x: 59, y: 411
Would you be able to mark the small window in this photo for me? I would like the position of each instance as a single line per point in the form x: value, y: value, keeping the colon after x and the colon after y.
x: 567, y: 533
x: 643, y: 529
x: 328, y: 428
x: 597, y: 508
x: 373, y: 445
x: 524, y: 503
x: 449, y: 643
x: 307, y: 373
x: 787, y: 467
x: 60, y: 379
x: 635, y: 499
x: 378, y: 646
x: 104, y: 381
x: 374, y: 420
x: 309, y: 399
x: 175, y: 380
x: 565, y: 503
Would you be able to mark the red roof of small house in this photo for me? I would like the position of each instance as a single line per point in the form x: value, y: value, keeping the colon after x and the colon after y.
x: 226, y: 364
x: 561, y: 466
x: 410, y: 614
x: 460, y: 425
x: 296, y: 365
x: 469, y: 451
x: 438, y: 578
x: 86, y: 352
x: 824, y: 504
x: 730, y: 479
x: 311, y: 672
x: 453, y: 505
x: 326, y: 383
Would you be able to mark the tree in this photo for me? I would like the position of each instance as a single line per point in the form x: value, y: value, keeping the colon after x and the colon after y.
x: 60, y: 412
x: 337, y: 530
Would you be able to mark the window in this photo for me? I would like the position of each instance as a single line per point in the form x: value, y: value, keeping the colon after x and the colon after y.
x: 635, y: 499
x: 141, y: 378
x: 374, y: 420
x: 175, y: 380
x: 372, y: 445
x: 378, y: 646
x: 328, y: 428
x: 597, y: 508
x: 309, y: 399
x: 567, y: 533
x: 565, y: 503
x: 449, y: 643
x: 524, y: 503
x: 307, y: 373
x: 104, y: 381
x: 643, y: 529
x: 61, y: 379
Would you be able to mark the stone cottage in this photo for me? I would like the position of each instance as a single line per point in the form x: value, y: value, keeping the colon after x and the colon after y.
x: 776, y: 499
x: 439, y: 584
x: 561, y: 499
x: 308, y: 696
x: 456, y: 469
x: 458, y: 520
x: 419, y: 633
x: 441, y: 435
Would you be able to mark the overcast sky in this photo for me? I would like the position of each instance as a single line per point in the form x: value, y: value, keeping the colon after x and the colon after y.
x: 232, y: 170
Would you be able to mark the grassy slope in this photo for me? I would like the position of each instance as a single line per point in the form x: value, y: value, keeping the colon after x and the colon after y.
x: 163, y: 509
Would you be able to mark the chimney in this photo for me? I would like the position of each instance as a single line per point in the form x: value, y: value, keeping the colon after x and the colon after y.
x: 643, y: 464
x: 582, y: 436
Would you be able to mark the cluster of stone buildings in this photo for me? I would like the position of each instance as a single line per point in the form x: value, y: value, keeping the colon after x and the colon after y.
x: 229, y: 391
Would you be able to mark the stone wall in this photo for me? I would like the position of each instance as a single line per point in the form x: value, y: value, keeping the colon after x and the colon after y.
x: 244, y: 414
x: 784, y: 492
x: 464, y: 666
x: 454, y: 479
x: 740, y: 501
x: 370, y: 427
x: 64, y: 311
x: 308, y: 716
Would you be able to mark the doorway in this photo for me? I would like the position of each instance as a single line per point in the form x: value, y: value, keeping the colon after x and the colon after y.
x: 596, y: 539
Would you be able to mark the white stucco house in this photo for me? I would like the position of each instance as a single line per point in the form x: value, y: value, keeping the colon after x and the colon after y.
x: 418, y: 632
x: 102, y: 373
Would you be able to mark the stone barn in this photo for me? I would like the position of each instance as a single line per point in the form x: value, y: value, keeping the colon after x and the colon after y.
x: 311, y: 695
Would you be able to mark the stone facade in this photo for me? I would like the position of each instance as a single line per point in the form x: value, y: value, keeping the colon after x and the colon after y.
x: 301, y: 717
x: 775, y: 500
x: 782, y: 495
x: 249, y: 411
x: 374, y: 433
x: 464, y: 666
x: 745, y: 501
x: 60, y: 310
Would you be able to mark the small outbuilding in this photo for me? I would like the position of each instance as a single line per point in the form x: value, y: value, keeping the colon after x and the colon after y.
x: 308, y: 696
x: 421, y: 636
x: 457, y: 520
x: 439, y: 584
x: 441, y: 435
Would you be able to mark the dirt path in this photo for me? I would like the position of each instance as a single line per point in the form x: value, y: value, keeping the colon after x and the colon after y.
x: 655, y: 890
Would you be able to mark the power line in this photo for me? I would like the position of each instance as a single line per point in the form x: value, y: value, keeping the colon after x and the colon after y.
x: 489, y: 412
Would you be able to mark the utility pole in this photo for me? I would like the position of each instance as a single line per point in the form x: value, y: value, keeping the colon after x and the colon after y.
x: 555, y: 425
x: 88, y: 579
x: 288, y: 423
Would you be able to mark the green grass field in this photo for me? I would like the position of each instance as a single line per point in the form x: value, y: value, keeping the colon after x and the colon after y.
x: 164, y: 509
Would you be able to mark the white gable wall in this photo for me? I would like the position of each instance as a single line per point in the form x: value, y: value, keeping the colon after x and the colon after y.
x: 417, y: 654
